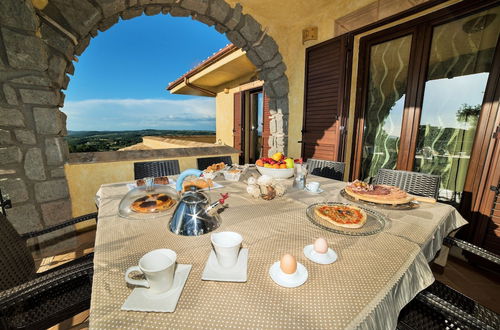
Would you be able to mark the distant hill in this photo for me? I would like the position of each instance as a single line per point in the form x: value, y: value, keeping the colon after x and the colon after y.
x: 92, y: 141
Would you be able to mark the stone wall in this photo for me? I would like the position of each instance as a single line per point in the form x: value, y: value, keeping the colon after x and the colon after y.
x: 39, y: 39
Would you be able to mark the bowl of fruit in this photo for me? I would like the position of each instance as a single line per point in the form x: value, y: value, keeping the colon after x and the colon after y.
x: 278, y: 166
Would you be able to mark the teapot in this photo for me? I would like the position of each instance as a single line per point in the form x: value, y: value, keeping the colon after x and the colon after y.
x: 194, y: 214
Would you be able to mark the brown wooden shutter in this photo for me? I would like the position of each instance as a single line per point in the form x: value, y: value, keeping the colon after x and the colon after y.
x: 322, y: 136
x: 238, y: 122
x: 266, y: 132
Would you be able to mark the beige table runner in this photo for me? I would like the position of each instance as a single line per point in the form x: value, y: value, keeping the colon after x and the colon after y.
x: 374, y: 277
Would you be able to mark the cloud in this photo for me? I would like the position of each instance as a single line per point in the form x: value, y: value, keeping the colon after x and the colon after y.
x: 132, y: 114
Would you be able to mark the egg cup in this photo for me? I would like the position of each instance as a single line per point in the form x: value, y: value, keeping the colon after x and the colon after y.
x: 320, y: 258
x: 288, y: 280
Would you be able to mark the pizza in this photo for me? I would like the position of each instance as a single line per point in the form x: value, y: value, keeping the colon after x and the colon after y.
x: 152, y: 203
x: 382, y: 194
x: 347, y: 216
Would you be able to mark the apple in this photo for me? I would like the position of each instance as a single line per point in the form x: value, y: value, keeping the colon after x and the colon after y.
x: 289, y: 162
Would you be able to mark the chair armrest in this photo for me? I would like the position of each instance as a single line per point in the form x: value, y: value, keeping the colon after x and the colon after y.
x: 41, y: 284
x: 452, y: 241
x: 60, y: 225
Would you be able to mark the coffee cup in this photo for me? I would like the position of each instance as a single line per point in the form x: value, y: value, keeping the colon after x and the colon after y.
x: 312, y: 186
x: 227, y: 247
x: 158, y: 267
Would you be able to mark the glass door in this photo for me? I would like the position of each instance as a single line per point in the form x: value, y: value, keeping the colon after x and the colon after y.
x: 458, y: 68
x: 255, y: 125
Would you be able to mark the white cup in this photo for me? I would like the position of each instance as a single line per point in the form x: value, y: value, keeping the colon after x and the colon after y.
x: 158, y: 267
x: 312, y: 186
x: 227, y: 247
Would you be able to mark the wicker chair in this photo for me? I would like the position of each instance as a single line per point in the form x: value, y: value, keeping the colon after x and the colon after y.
x: 203, y: 163
x: 30, y: 300
x: 326, y: 168
x: 156, y: 169
x: 415, y: 183
x: 441, y: 307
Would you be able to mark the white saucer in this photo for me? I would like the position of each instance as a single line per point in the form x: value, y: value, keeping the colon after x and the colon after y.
x: 288, y: 281
x: 319, y: 191
x: 214, y: 272
x: 143, y: 300
x: 326, y: 258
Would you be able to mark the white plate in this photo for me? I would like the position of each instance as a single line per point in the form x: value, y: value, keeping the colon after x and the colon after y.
x: 327, y: 258
x: 143, y: 300
x: 319, y: 191
x: 214, y: 272
x: 288, y: 281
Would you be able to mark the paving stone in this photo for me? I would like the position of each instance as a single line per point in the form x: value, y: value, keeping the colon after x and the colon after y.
x: 10, y: 94
x: 282, y: 104
x: 11, y: 117
x: 220, y: 28
x: 274, y: 73
x: 165, y: 10
x: 57, y: 40
x: 267, y: 49
x: 203, y: 19
x: 56, y: 150
x: 131, y: 13
x: 24, y: 51
x: 280, y: 86
x: 10, y: 155
x: 57, y: 68
x: 18, y: 14
x: 219, y: 10
x: 254, y: 58
x: 58, y: 242
x: 58, y: 172
x: 274, y: 62
x: 63, y: 118
x: 251, y: 29
x: 32, y: 80
x: 235, y: 17
x: 152, y: 10
x: 179, y: 12
x: 24, y: 218
x: 7, y: 171
x: 15, y: 188
x: 84, y: 43
x: 155, y: 2
x: 33, y: 164
x: 107, y: 23
x: 47, y: 120
x: 236, y: 38
x: 268, y: 90
x: 80, y: 14
x: 5, y: 137
x: 35, y: 96
x: 197, y: 6
x: 25, y: 136
x: 51, y: 190
x: 70, y: 68
x: 111, y: 7
x: 56, y: 212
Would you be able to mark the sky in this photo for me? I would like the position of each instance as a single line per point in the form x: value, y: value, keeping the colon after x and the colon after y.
x: 120, y: 79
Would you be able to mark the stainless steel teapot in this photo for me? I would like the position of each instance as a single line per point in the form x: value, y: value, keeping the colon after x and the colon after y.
x: 194, y: 215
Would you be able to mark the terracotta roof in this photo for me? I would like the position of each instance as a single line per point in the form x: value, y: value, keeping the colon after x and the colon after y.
x: 210, y: 60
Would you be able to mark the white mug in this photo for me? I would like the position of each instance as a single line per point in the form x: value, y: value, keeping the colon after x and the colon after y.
x: 227, y: 247
x: 312, y: 186
x: 158, y: 267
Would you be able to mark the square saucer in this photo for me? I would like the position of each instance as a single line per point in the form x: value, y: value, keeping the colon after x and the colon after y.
x: 214, y: 272
x: 141, y: 299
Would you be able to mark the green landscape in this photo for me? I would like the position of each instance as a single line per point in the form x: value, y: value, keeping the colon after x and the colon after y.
x: 92, y: 141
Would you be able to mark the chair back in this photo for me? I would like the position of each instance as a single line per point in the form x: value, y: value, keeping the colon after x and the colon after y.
x: 203, y: 163
x: 412, y: 182
x: 156, y: 169
x: 16, y: 262
x: 326, y: 168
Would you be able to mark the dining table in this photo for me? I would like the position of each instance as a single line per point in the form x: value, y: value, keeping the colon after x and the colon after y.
x: 374, y: 277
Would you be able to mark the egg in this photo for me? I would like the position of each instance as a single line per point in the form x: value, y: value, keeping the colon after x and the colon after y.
x: 288, y: 264
x: 320, y: 245
x: 264, y: 180
x: 251, y: 180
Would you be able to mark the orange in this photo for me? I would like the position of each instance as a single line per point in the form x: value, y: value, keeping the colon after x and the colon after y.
x: 276, y: 166
x: 283, y: 166
x: 259, y: 162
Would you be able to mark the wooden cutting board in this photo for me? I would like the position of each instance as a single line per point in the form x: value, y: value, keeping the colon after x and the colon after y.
x: 409, y: 198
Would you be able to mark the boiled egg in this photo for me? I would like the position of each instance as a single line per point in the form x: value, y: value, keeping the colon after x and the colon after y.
x: 320, y: 245
x: 288, y: 264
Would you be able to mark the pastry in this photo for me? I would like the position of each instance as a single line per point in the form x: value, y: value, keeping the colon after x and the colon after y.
x: 152, y: 203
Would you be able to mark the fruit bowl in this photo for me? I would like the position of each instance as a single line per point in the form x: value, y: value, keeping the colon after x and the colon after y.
x: 276, y: 173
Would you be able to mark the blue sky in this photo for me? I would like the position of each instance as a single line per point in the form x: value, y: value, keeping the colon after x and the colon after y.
x: 120, y: 79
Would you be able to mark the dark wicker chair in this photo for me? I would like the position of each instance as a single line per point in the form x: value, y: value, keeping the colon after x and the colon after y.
x: 441, y: 307
x: 156, y: 169
x: 30, y: 300
x: 203, y: 163
x: 326, y: 168
x: 415, y: 183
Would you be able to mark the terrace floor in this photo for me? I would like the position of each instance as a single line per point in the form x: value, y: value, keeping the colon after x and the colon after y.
x: 480, y: 285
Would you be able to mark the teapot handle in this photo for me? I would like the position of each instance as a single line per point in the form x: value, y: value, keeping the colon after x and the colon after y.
x: 183, y: 175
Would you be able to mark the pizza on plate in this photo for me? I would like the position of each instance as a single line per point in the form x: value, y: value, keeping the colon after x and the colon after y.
x: 381, y: 194
x: 152, y: 203
x: 347, y: 216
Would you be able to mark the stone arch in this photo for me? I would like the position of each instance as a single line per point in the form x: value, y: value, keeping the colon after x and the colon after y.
x: 39, y: 40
